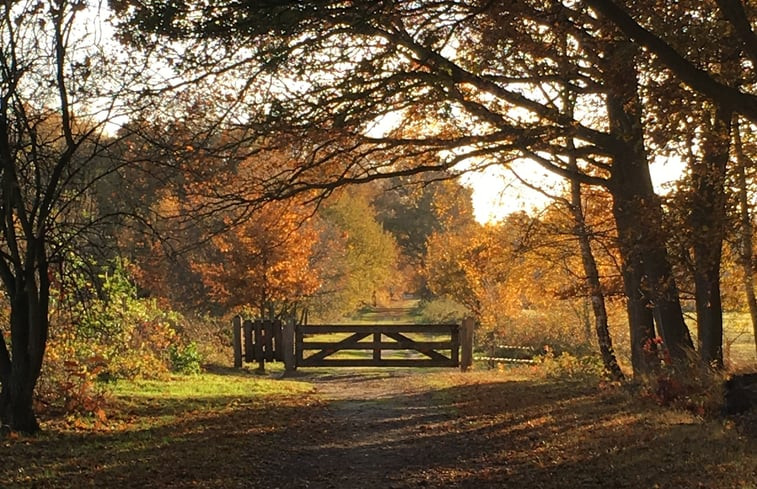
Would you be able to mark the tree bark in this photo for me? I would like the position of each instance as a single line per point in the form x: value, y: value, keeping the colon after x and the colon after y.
x: 647, y: 272
x: 707, y: 222
x: 638, y: 305
x: 747, y: 230
x: 29, y: 325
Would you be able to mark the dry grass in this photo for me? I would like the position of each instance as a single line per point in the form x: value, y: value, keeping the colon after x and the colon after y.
x: 383, y: 429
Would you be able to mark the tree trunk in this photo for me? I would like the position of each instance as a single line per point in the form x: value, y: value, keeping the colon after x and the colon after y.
x: 664, y: 295
x: 16, y: 406
x: 591, y: 271
x: 20, y: 370
x: 20, y: 376
x: 638, y: 214
x: 747, y: 230
x: 595, y: 288
x: 638, y: 306
x: 707, y: 222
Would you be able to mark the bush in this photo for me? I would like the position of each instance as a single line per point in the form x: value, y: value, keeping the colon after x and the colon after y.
x: 114, y: 335
x: 442, y: 311
x: 690, y: 386
x: 71, y: 386
x: 566, y: 366
x: 185, y: 359
x: 211, y: 335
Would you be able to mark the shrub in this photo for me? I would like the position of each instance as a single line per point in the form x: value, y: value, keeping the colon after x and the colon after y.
x: 566, y: 366
x: 688, y: 386
x: 185, y: 359
x: 212, y: 336
x: 442, y: 311
x: 95, y: 339
x: 71, y: 386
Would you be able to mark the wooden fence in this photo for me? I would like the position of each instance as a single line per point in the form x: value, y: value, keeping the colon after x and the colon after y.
x: 263, y: 341
x: 435, y: 345
x: 509, y: 354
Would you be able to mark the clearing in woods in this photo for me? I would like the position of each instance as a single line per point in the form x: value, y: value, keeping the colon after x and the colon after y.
x: 381, y: 428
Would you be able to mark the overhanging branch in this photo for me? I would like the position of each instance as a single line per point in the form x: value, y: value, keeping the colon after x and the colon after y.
x: 733, y: 10
x: 564, y: 172
x: 696, y: 78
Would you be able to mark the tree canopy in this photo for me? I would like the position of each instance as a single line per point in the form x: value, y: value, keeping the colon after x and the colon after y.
x: 394, y: 88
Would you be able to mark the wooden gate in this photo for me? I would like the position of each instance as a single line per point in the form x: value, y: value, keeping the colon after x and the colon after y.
x: 377, y: 345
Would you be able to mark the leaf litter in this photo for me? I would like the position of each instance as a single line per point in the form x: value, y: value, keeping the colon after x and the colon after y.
x: 395, y: 429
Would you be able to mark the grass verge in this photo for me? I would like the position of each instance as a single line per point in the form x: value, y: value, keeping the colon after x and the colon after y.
x: 181, y: 432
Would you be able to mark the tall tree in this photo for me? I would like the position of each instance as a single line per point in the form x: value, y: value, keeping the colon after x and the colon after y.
x: 359, y: 259
x: 263, y: 263
x: 57, y: 96
x: 583, y: 234
x: 594, y: 285
x: 413, y: 208
x: 702, y: 130
x: 746, y: 231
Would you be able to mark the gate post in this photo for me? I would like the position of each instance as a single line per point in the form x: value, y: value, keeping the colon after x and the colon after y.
x: 268, y: 332
x: 287, y: 346
x: 259, y: 351
x: 377, y: 347
x: 455, y: 337
x: 236, y: 334
x: 466, y: 344
x: 249, y: 352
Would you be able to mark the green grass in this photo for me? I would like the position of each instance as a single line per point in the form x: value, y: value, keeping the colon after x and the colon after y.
x: 150, y: 403
x: 398, y: 312
x: 153, y: 427
x: 209, y: 386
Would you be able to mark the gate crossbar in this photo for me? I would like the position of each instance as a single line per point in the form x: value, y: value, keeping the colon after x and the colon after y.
x: 430, y: 349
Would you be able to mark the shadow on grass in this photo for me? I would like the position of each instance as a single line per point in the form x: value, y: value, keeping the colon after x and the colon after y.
x: 478, y: 435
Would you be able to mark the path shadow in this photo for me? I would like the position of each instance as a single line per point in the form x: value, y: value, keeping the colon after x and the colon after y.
x: 497, y: 434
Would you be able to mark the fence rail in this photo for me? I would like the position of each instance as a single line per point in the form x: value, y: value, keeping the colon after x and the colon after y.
x: 263, y: 341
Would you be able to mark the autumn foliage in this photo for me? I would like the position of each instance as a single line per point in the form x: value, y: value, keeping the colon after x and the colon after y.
x: 262, y: 263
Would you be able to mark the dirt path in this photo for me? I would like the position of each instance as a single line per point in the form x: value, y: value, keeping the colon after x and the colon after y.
x: 405, y: 429
x: 379, y: 429
x: 395, y: 429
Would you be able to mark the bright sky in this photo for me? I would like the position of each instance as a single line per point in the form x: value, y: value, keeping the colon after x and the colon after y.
x: 497, y: 193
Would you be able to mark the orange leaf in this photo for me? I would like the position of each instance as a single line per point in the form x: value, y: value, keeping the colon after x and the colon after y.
x: 100, y: 415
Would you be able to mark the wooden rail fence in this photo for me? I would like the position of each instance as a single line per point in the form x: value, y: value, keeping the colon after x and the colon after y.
x: 410, y: 345
x: 509, y: 354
